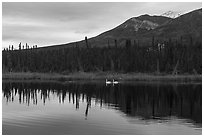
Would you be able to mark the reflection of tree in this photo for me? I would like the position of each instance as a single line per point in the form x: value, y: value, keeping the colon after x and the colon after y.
x: 88, y: 105
x: 148, y: 101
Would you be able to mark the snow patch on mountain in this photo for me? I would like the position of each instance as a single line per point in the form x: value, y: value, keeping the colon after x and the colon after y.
x: 137, y: 24
x: 149, y: 25
x: 172, y: 14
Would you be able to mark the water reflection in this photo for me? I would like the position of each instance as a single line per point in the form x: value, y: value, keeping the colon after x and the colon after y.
x: 148, y: 101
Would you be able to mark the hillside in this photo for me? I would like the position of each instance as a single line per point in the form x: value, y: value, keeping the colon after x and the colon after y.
x: 185, y: 26
x: 130, y: 29
x: 143, y: 28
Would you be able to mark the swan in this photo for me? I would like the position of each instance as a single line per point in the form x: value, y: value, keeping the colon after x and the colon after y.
x: 115, y: 82
x: 108, y: 82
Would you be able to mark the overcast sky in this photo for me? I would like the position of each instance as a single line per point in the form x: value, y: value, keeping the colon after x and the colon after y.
x: 54, y: 23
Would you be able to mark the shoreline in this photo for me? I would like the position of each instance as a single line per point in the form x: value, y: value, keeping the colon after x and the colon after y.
x: 100, y: 76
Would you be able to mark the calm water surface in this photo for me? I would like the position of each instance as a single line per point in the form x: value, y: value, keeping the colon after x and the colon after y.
x: 94, y: 108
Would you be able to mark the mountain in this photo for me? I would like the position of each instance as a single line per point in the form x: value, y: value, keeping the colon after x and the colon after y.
x: 144, y: 27
x: 135, y: 26
x: 187, y: 25
x: 171, y: 14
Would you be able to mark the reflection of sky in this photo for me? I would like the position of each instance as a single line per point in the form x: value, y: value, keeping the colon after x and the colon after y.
x: 63, y: 118
x: 55, y: 23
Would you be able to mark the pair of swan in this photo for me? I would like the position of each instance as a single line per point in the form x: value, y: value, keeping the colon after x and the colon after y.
x: 111, y: 82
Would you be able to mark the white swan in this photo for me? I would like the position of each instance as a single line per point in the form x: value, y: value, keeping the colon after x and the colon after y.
x: 108, y: 82
x: 115, y: 82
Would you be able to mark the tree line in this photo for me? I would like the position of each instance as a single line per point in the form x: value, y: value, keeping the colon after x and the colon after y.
x: 170, y: 56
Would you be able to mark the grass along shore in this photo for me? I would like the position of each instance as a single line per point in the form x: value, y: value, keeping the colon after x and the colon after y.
x: 99, y: 76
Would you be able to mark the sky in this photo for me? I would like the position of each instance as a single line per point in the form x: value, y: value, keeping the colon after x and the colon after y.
x: 50, y: 23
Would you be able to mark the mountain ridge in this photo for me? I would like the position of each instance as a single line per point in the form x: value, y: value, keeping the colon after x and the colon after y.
x: 144, y: 27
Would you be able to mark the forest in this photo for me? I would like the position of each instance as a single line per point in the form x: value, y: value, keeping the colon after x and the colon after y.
x: 167, y: 57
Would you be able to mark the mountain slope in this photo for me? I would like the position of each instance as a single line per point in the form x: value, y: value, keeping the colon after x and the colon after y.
x: 144, y: 27
x: 135, y: 26
x: 130, y: 29
x: 186, y: 25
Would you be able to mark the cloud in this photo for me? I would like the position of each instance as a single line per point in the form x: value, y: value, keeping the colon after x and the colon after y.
x: 47, y: 23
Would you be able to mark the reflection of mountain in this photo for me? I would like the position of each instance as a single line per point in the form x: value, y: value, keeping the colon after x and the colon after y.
x: 144, y: 100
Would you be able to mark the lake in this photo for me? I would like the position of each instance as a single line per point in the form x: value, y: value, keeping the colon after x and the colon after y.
x: 66, y: 108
